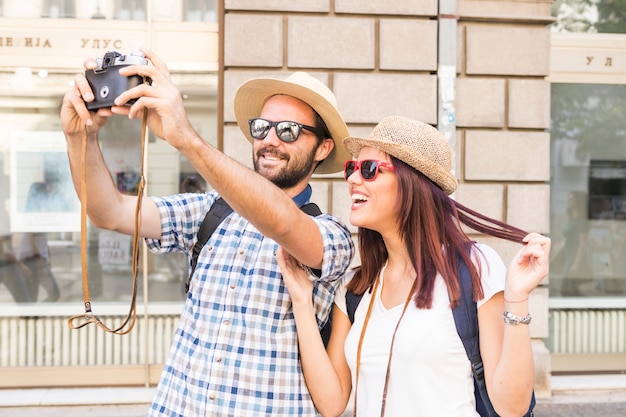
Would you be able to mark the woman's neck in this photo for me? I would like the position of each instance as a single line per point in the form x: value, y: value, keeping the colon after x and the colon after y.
x: 398, y: 278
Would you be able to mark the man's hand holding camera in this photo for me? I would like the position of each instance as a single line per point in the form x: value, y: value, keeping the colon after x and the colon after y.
x: 115, y: 89
x: 166, y: 113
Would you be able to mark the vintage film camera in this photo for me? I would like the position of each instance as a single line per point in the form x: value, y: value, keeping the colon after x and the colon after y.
x: 106, y: 82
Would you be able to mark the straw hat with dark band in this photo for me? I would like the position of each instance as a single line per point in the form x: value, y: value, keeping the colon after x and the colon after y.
x: 418, y: 144
x: 251, y: 96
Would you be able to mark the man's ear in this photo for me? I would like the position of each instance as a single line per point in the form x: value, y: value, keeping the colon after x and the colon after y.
x: 324, y: 149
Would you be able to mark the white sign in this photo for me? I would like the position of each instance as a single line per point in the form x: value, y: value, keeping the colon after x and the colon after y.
x: 43, y: 198
x: 114, y: 250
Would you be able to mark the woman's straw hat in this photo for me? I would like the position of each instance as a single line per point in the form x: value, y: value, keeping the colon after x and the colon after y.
x: 418, y: 144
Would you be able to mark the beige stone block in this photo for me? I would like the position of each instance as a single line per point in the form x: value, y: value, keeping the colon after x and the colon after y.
x: 528, y: 207
x: 233, y: 79
x: 320, y: 195
x: 501, y: 9
x: 529, y: 104
x: 237, y: 146
x: 253, y: 40
x: 507, y: 50
x: 279, y: 5
x: 400, y: 7
x: 460, y: 49
x: 408, y: 44
x: 361, y: 131
x: 505, y: 248
x: 543, y: 369
x: 480, y: 102
x: 540, y: 329
x: 538, y: 309
x: 320, y: 42
x: 507, y: 156
x: 367, y: 98
x: 332, y: 176
x: 342, y: 202
x: 487, y: 199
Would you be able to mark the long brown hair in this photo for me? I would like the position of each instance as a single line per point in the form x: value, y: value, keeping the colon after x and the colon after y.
x: 430, y: 227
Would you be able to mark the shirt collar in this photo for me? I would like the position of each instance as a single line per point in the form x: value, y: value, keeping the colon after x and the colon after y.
x: 304, y: 196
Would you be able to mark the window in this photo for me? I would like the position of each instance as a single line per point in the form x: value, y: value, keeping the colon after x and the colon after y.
x: 59, y: 9
x: 130, y: 9
x: 200, y: 10
x: 589, y: 16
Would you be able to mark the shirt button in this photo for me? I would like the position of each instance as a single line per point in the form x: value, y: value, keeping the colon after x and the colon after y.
x: 226, y: 322
x: 233, y: 286
x: 212, y: 397
x: 218, y: 360
x: 241, y: 252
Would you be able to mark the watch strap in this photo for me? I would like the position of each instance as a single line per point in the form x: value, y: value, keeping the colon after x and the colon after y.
x: 512, y: 319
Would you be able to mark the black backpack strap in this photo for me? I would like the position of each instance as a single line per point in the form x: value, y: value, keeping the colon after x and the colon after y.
x: 311, y: 209
x: 352, y: 302
x: 466, y: 321
x: 216, y: 214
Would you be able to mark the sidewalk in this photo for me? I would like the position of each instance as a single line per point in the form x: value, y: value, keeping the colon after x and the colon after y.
x: 76, y: 402
x: 573, y: 396
x: 585, y: 396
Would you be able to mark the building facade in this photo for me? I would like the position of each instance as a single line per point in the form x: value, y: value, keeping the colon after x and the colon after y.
x: 484, y: 72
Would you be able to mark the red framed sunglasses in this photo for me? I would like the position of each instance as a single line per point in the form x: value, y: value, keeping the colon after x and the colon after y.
x: 368, y: 168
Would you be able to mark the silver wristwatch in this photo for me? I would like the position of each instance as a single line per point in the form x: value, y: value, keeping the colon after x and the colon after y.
x: 510, y: 318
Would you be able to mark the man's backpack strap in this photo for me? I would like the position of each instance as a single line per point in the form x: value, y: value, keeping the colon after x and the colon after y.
x: 311, y: 209
x: 218, y: 212
x: 466, y: 321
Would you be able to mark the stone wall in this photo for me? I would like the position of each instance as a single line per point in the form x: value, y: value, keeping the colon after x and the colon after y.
x: 380, y: 57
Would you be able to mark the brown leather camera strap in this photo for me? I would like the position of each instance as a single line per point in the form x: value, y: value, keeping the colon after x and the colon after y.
x: 81, y: 320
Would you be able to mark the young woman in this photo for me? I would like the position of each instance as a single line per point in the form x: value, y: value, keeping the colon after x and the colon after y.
x: 402, y: 355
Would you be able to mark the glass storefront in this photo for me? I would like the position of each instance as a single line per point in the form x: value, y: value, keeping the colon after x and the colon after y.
x: 588, y: 187
x: 40, y: 231
x: 588, y: 205
x: 40, y: 223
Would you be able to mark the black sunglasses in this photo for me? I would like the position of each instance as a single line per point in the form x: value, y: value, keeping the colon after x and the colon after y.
x: 368, y: 168
x: 286, y: 131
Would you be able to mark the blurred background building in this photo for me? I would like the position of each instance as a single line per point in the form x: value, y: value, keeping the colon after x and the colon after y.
x: 530, y: 93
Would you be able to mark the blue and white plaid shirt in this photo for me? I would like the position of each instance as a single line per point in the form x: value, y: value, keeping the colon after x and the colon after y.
x: 235, y: 351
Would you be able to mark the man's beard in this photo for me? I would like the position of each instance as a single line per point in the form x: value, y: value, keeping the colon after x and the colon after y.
x: 291, y: 174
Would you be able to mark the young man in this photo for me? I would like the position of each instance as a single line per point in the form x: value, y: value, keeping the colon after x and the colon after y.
x: 235, y: 350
